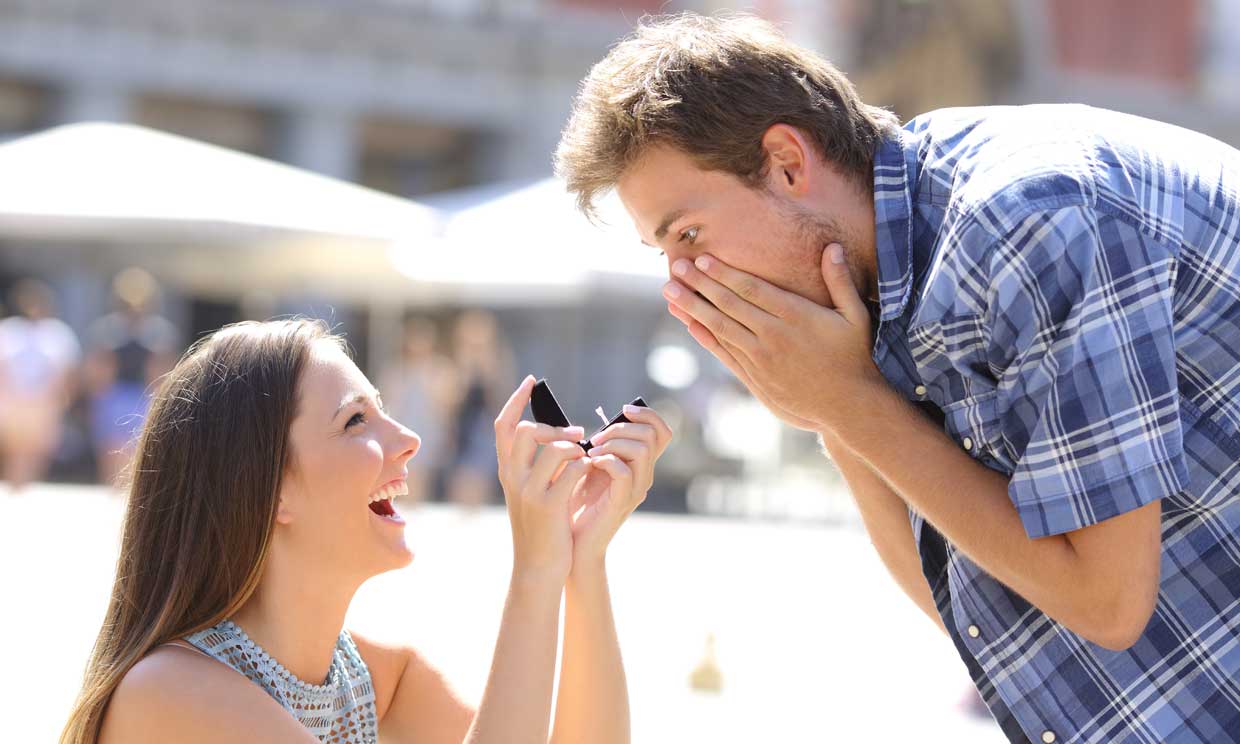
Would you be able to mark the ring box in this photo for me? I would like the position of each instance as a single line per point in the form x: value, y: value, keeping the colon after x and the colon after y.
x: 548, y: 411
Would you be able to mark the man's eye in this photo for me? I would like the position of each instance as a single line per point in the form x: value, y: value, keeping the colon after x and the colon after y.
x: 355, y: 419
x: 690, y: 235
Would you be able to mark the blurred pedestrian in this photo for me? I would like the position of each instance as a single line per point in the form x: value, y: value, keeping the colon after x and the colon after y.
x: 39, y: 356
x: 484, y: 369
x: 128, y: 350
x: 419, y: 389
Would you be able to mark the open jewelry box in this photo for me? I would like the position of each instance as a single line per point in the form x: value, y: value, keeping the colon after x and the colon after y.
x: 547, y: 411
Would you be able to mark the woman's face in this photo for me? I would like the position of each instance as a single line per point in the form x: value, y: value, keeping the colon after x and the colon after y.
x: 346, y: 452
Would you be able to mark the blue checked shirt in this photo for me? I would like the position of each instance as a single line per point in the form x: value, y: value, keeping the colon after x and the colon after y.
x: 1060, y: 286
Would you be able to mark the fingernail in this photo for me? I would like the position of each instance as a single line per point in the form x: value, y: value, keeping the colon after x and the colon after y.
x: 837, y: 253
x: 703, y: 263
x: 671, y: 290
x: 681, y: 267
x: 574, y: 431
x: 631, y: 409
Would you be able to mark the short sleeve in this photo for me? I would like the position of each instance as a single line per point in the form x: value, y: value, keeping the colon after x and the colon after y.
x: 1081, y: 325
x: 67, y: 350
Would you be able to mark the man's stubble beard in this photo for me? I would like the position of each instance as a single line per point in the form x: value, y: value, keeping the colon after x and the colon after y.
x: 813, y: 234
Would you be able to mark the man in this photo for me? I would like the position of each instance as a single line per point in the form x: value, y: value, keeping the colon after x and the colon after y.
x: 1017, y: 331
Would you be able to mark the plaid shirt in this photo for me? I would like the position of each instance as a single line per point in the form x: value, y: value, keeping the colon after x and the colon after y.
x: 1061, y: 285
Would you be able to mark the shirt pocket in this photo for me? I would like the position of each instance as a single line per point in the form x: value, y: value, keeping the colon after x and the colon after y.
x: 951, y: 356
x: 974, y: 423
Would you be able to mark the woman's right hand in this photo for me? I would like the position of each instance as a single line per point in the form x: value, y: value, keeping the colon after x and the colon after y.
x: 538, y: 485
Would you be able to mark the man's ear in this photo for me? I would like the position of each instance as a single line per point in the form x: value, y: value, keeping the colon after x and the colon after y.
x: 789, y: 159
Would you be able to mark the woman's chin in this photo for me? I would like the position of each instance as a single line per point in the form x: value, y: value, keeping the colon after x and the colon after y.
x: 396, y: 559
x: 406, y: 558
x: 389, y: 543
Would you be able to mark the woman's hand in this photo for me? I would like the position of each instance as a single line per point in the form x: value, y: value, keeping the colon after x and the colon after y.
x: 621, y: 471
x: 538, y: 487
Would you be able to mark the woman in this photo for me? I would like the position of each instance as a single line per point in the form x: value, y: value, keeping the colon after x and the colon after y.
x: 261, y: 500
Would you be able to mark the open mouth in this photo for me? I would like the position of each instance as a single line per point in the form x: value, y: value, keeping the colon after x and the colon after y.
x: 381, y: 500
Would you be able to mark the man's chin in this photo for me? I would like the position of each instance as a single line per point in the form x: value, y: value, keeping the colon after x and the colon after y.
x: 819, y: 296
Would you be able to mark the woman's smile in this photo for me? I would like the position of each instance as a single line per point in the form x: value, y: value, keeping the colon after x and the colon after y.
x: 381, y: 501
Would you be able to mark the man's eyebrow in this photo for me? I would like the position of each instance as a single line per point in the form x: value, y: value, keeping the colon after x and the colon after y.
x: 671, y: 217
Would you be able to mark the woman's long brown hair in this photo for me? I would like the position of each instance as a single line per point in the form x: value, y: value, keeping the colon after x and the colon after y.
x: 202, y: 499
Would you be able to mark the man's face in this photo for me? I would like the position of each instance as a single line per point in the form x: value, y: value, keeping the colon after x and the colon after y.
x: 686, y: 211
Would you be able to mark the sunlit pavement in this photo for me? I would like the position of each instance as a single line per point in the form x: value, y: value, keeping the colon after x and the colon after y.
x: 814, y: 641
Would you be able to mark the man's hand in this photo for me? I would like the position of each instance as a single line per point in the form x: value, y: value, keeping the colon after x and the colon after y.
x: 803, y: 361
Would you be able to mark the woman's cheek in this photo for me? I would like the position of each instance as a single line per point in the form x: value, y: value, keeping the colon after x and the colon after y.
x: 365, y: 465
x: 375, y: 450
x: 356, y: 467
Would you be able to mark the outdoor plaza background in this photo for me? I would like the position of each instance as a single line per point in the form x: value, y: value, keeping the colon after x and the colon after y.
x: 385, y: 164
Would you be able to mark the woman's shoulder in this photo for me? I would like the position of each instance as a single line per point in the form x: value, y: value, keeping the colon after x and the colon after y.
x: 177, y: 693
x: 413, y: 699
x: 386, y: 662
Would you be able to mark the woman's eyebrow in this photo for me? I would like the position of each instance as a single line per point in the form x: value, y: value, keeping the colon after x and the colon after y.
x: 354, y: 398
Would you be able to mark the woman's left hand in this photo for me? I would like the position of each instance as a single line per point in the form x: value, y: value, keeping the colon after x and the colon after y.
x: 621, y: 472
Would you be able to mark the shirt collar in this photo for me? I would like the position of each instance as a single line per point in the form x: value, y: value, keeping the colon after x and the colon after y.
x: 895, y: 167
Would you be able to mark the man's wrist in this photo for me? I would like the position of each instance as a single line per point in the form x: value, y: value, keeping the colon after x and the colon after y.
x: 864, y: 402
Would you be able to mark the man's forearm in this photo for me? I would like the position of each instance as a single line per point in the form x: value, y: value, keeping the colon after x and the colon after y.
x: 886, y: 520
x: 968, y: 503
x: 592, y: 704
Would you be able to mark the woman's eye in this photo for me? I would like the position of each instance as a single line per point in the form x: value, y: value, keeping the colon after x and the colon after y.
x: 357, y: 418
x: 690, y: 235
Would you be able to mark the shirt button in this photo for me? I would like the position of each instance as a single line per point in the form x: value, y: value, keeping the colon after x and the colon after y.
x: 967, y: 443
x: 919, y: 391
x: 1048, y: 737
x: 974, y: 631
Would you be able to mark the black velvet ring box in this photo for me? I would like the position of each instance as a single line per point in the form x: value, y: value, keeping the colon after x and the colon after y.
x: 547, y: 411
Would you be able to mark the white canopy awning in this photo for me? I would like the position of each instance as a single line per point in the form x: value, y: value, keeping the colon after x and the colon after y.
x: 219, y: 221
x: 210, y: 218
x: 533, y: 241
x: 84, y: 180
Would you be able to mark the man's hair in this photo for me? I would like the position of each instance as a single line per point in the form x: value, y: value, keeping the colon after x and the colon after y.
x: 710, y: 87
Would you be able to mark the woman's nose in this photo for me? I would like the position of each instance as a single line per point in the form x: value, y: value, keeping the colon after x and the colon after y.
x: 408, y: 442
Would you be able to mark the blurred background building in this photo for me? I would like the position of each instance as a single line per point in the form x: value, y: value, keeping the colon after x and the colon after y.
x: 458, y: 104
